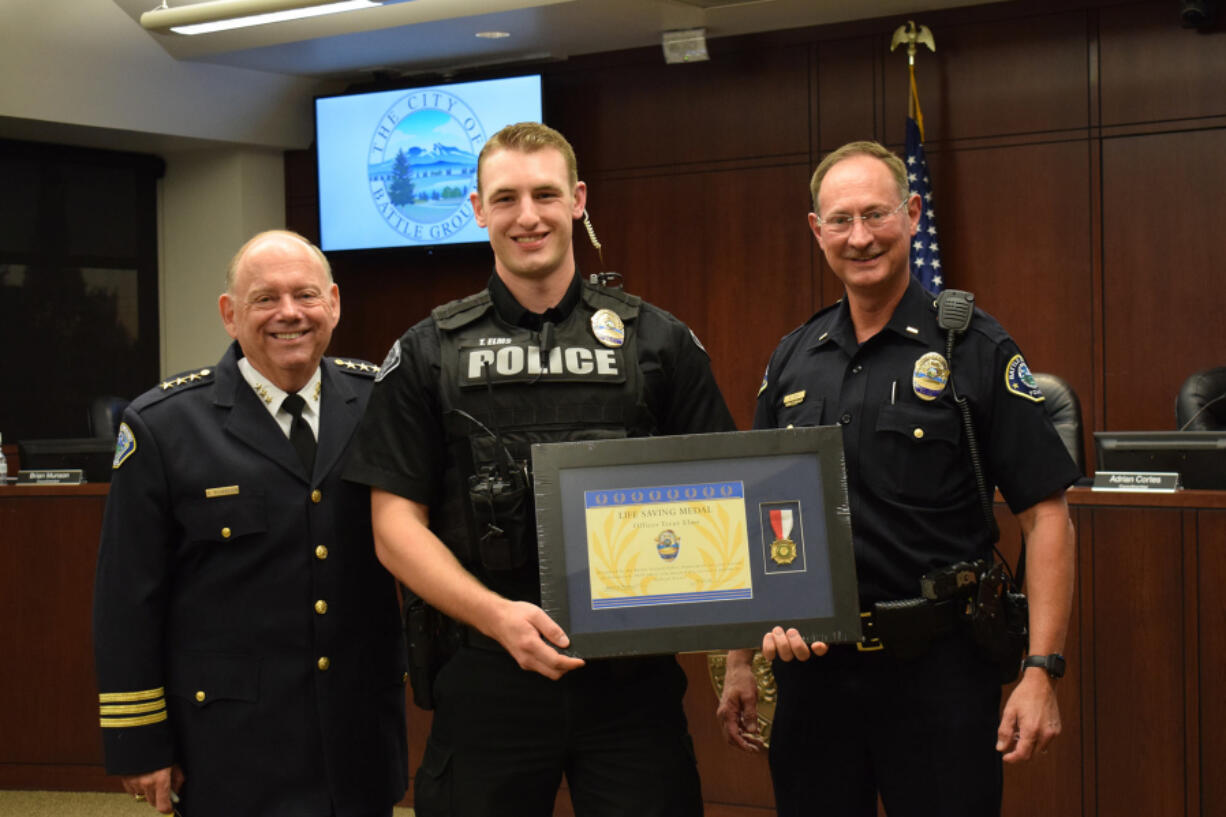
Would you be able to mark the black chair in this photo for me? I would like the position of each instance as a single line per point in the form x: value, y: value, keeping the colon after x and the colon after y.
x: 1064, y: 409
x: 1201, y: 402
x: 105, y: 412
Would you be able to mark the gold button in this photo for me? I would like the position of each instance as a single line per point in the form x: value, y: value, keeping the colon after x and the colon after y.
x: 321, y: 607
x: 200, y: 695
x: 317, y: 496
x: 323, y: 663
x: 919, y: 433
x: 404, y: 679
x: 321, y: 552
x: 225, y: 533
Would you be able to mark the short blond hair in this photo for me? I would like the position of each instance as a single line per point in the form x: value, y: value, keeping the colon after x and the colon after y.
x: 863, y: 148
x: 232, y: 270
x: 529, y: 137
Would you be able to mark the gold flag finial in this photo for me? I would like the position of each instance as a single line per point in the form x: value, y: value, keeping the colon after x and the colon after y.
x: 911, y: 34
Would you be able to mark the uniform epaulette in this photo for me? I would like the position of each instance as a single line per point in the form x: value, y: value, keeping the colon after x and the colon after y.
x: 174, y: 385
x: 455, y: 314
x: 360, y: 368
x: 623, y: 303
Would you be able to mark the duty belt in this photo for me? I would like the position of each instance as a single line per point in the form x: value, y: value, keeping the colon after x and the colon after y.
x: 906, y: 627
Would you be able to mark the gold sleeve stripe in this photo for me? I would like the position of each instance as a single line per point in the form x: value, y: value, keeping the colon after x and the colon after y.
x: 141, y: 695
x: 132, y: 709
x: 143, y: 720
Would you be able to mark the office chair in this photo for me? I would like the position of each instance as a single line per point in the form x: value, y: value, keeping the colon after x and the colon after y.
x: 1064, y: 409
x: 105, y: 412
x: 1201, y: 402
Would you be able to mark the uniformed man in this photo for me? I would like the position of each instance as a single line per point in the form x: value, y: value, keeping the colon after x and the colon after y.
x: 917, y: 721
x: 249, y: 649
x: 540, y: 355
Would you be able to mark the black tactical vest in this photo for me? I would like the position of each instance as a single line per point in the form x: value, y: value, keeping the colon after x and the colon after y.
x: 504, y: 388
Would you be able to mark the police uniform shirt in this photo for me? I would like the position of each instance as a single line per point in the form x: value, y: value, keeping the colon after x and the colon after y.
x: 401, y: 447
x: 913, y: 497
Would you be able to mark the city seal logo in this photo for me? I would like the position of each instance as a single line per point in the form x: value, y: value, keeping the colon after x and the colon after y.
x: 422, y: 165
x: 668, y: 544
x: 1019, y: 380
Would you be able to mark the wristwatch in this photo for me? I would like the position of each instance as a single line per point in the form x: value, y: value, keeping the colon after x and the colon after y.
x: 1052, y: 664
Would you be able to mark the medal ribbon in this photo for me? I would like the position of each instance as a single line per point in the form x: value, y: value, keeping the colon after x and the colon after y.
x: 781, y: 522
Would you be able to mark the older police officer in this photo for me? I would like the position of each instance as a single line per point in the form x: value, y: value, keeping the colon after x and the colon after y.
x: 248, y: 643
x: 920, y: 726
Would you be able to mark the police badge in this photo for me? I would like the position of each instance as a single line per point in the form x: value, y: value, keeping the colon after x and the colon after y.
x: 608, y: 328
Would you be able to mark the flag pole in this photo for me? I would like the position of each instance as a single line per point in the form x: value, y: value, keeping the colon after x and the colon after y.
x: 925, y: 250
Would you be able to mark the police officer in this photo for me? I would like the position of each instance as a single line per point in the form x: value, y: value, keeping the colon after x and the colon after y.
x: 917, y: 722
x: 540, y: 355
x: 248, y: 643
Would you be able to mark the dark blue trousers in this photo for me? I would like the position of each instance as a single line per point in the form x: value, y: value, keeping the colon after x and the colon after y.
x: 851, y: 725
x: 502, y: 739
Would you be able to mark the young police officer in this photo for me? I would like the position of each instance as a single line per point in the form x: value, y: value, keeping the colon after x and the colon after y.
x: 539, y: 356
x: 921, y: 726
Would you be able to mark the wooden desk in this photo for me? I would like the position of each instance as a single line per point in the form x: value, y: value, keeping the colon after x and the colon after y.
x: 1148, y: 635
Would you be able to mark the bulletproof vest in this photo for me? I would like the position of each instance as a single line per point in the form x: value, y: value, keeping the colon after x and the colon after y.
x: 503, y: 388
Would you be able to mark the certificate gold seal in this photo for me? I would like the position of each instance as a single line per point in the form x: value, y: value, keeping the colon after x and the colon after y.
x: 930, y: 376
x: 668, y: 545
x: 608, y: 328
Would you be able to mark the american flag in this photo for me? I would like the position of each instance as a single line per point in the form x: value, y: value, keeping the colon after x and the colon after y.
x: 925, y: 251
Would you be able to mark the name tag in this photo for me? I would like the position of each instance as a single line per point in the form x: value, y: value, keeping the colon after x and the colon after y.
x: 226, y: 490
x: 1156, y: 482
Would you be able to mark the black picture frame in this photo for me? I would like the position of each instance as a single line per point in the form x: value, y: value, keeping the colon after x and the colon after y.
x: 800, y: 470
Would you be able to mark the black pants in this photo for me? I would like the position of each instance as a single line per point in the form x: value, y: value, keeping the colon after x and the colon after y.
x: 851, y: 725
x: 502, y: 738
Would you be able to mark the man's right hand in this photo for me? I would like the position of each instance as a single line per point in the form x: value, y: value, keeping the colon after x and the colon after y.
x: 156, y: 788
x: 526, y: 632
x: 789, y: 646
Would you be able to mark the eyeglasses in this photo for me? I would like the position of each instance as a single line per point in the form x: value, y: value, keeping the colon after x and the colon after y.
x: 841, y: 224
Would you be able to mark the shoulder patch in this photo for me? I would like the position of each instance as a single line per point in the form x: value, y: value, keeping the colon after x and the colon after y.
x: 390, y: 362
x: 1019, y: 380
x: 125, y: 446
x: 355, y: 367
x: 765, y: 381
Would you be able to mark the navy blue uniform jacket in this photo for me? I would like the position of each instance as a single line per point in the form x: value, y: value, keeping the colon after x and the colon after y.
x: 243, y: 627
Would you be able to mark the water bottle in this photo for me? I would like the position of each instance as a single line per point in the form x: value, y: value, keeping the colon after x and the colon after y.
x: 4, y: 463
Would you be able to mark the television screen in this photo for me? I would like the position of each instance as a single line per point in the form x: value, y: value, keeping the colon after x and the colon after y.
x: 396, y: 167
x: 1199, y: 457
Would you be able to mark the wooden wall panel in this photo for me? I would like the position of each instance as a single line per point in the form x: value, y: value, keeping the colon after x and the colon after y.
x: 1138, y: 566
x: 1027, y: 277
x: 847, y: 92
x: 645, y: 113
x: 1153, y: 70
x: 50, y: 543
x: 1210, y: 579
x: 1026, y: 74
x: 729, y: 253
x: 1163, y: 297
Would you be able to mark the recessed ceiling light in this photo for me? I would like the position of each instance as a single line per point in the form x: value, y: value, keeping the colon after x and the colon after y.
x: 493, y: 35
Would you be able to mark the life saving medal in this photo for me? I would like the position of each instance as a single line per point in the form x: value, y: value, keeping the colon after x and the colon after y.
x: 930, y: 376
x: 608, y: 328
x: 783, y: 549
x: 668, y: 544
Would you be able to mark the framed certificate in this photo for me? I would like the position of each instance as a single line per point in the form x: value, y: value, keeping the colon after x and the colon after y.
x: 696, y: 542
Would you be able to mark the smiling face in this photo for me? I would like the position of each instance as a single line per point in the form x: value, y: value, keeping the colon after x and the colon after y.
x: 281, y: 308
x: 529, y: 206
x: 867, y: 261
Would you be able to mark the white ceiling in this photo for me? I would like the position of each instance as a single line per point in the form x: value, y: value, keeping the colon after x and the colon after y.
x: 416, y: 36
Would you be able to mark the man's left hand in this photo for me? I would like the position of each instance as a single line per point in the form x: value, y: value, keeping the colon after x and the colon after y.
x: 1031, y: 719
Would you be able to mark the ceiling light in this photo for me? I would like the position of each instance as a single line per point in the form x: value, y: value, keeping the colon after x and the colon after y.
x: 222, y: 15
x: 493, y: 35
